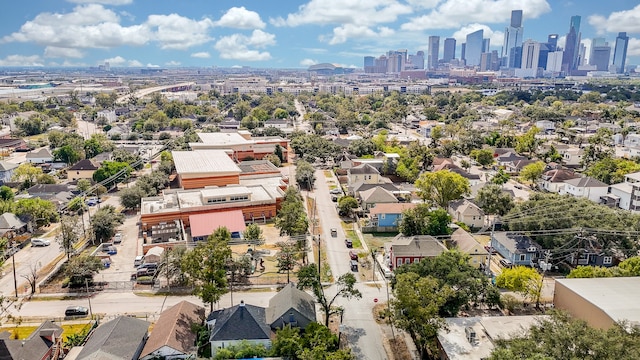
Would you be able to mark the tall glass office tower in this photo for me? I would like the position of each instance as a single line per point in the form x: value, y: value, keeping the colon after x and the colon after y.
x: 473, y: 50
x: 512, y: 40
x: 620, y: 52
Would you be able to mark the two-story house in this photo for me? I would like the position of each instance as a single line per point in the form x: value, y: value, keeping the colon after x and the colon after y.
x: 467, y: 244
x: 466, y: 212
x: 83, y: 169
x: 410, y: 249
x: 554, y: 180
x: 625, y: 195
x: 387, y: 216
x: 519, y: 249
x: 364, y: 173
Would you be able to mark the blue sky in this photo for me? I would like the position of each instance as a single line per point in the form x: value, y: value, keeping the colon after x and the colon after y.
x: 279, y: 33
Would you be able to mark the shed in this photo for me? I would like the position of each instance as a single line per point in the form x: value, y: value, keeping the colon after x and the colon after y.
x: 154, y: 255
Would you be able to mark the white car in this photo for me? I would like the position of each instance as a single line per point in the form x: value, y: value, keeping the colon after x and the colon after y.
x: 117, y: 239
x: 40, y: 242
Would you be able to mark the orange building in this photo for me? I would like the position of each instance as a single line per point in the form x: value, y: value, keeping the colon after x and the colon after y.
x: 241, y: 145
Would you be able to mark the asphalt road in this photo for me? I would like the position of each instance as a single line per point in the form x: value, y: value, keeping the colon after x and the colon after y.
x: 363, y: 333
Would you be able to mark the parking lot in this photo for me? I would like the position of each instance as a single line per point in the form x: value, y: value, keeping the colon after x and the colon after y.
x: 122, y: 263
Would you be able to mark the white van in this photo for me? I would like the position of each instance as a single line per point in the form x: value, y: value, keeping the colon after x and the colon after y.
x: 138, y: 261
x: 40, y: 242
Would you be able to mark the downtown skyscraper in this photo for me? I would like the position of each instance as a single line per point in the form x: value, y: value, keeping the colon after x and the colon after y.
x: 433, y: 52
x: 620, y: 52
x: 474, y: 48
x: 572, y: 46
x: 449, y: 50
x: 512, y: 46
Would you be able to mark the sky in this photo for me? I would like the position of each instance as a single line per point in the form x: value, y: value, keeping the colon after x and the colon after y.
x: 280, y: 33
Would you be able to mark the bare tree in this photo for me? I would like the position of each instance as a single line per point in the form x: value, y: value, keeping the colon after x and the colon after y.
x: 32, y: 277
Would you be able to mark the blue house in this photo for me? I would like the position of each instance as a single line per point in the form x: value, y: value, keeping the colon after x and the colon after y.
x: 517, y: 248
x: 388, y: 215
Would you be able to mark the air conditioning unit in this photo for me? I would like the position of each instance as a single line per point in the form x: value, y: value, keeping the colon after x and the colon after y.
x: 471, y: 334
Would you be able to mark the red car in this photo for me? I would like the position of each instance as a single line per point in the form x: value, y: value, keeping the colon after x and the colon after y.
x: 490, y: 250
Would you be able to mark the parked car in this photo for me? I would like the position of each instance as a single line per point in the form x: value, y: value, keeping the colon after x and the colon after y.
x: 76, y: 311
x: 334, y: 232
x: 117, y: 238
x: 354, y: 265
x: 348, y: 243
x: 139, y: 260
x: 336, y: 191
x: 111, y: 250
x: 506, y: 263
x: 353, y: 255
x: 40, y: 242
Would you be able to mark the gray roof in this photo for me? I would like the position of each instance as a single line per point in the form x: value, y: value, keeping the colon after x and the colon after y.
x: 586, y: 181
x: 240, y: 322
x: 120, y: 338
x: 51, y: 189
x: 6, y: 166
x: 257, y: 166
x: 515, y: 243
x: 378, y: 195
x: 362, y: 186
x: 290, y: 298
x: 465, y: 242
x: 42, y: 153
x: 418, y: 245
x: 463, y: 205
x: 34, y: 347
x: 364, y: 169
x: 203, y: 161
x: 10, y: 221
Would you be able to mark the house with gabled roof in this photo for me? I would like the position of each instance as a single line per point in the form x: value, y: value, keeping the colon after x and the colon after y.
x: 11, y: 225
x: 40, y: 156
x: 43, y: 343
x: 554, y: 180
x: 586, y: 187
x: 519, y: 249
x: 83, y: 169
x: 466, y: 212
x: 232, y: 325
x: 374, y: 196
x: 388, y: 215
x: 122, y: 338
x: 467, y: 244
x: 172, y: 336
x: 290, y: 307
x: 6, y: 170
x: 363, y: 173
x: 410, y: 249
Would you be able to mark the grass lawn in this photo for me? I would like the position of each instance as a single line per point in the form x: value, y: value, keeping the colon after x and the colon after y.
x: 376, y: 240
x: 22, y: 332
x: 348, y: 229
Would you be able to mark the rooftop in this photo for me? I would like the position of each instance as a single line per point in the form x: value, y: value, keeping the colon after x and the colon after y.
x: 203, y: 161
x: 222, y: 139
x: 618, y: 297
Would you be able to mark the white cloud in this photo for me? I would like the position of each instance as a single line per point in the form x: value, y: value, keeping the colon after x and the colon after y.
x: 21, y: 60
x: 237, y: 46
x: 152, y: 65
x: 241, y: 18
x: 178, y: 32
x: 308, y: 62
x: 115, y: 61
x: 173, y: 63
x: 315, y: 50
x: 634, y: 47
x: 134, y: 63
x: 423, y: 4
x: 88, y: 26
x: 497, y: 37
x: 67, y: 63
x: 201, y: 55
x: 105, y: 2
x: 356, y: 12
x: 451, y: 14
x: 625, y: 20
x: 343, y: 33
x: 562, y: 40
x: 61, y: 52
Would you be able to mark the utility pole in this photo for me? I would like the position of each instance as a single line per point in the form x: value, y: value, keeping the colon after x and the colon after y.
x: 86, y: 283
x: 15, y: 280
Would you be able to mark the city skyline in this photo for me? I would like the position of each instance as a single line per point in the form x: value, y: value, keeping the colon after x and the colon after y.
x: 294, y: 34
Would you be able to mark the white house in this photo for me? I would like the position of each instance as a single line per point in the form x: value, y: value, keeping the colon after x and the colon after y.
x: 572, y: 157
x: 623, y: 194
x: 40, y: 156
x: 109, y: 115
x: 554, y: 180
x: 546, y: 125
x: 586, y: 187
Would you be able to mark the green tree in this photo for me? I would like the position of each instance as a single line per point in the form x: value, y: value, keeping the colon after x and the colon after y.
x: 421, y: 220
x: 347, y: 204
x: 345, y: 288
x: 305, y: 175
x: 6, y: 193
x: 292, y: 218
x: 532, y: 172
x: 287, y: 257
x: 111, y: 168
x: 130, y: 197
x: 631, y: 266
x: 104, y: 223
x: 67, y: 154
x: 416, y: 304
x: 27, y: 174
x: 253, y: 233
x: 493, y: 200
x: 440, y: 187
x: 36, y: 124
x: 82, y: 268
x: 362, y: 147
x: 484, y: 157
x: 83, y: 185
x: 589, y: 272
x: 287, y: 343
x: 521, y: 279
x: 274, y: 159
x: 501, y: 177
x: 40, y: 212
x: 527, y: 143
x: 610, y: 170
x: 205, y: 266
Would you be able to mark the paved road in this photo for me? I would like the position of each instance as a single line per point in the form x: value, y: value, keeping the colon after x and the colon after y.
x: 363, y: 333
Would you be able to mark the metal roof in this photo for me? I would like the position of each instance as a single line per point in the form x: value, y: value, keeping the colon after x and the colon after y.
x: 203, y: 161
